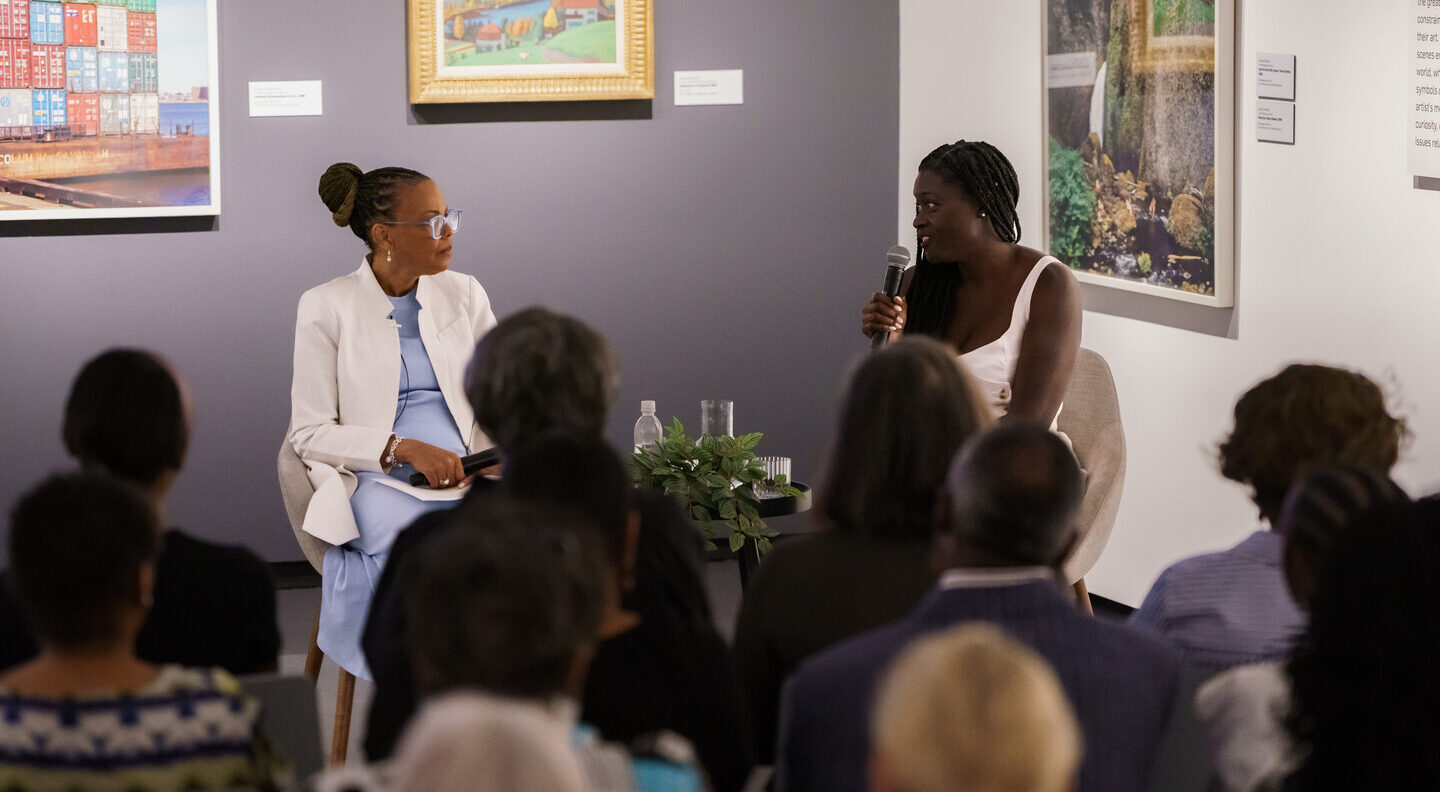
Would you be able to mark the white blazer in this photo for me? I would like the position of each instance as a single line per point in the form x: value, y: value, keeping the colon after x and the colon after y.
x: 347, y: 380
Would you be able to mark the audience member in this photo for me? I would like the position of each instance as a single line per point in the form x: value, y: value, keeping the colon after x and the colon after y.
x: 906, y: 412
x: 971, y: 709
x: 1244, y: 708
x: 1014, y: 493
x: 129, y: 416
x: 664, y: 666
x: 1232, y: 608
x: 87, y: 714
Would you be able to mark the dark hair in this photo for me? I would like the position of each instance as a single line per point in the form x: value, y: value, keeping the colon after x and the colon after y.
x: 982, y: 173
x: 669, y: 567
x: 539, y: 370
x: 77, y: 542
x: 360, y: 200
x: 1320, y: 507
x: 1302, y: 417
x: 503, y: 599
x: 1364, y: 688
x: 583, y: 474
x: 1015, y: 491
x: 907, y: 410
x: 125, y: 415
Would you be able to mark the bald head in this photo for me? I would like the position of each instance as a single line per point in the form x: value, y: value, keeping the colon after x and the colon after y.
x: 1015, y: 494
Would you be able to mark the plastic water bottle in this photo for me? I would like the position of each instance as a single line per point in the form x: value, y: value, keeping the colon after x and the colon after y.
x: 647, y: 430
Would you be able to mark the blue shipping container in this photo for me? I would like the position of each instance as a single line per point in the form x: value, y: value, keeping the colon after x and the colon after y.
x: 114, y: 72
x: 82, y: 70
x: 58, y: 105
x: 49, y: 106
x: 47, y: 23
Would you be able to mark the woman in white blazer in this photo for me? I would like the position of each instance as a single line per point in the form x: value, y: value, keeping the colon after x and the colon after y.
x: 378, y: 390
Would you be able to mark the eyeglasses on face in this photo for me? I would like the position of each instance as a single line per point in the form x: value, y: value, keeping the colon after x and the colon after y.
x: 437, y: 223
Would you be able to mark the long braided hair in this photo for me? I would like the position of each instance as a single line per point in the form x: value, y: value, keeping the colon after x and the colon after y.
x: 984, y: 174
x: 359, y: 200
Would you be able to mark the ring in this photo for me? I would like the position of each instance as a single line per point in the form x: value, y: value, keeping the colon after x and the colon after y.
x: 444, y: 482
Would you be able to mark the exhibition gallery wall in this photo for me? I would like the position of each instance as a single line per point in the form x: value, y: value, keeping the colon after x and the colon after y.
x: 727, y: 249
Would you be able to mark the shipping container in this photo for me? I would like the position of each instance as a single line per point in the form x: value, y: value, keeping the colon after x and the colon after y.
x: 15, y: 107
x: 120, y: 3
x: 144, y: 73
x: 15, y: 19
x: 145, y: 114
x: 14, y: 63
x: 143, y: 6
x: 114, y: 114
x: 47, y: 23
x: 47, y: 66
x: 141, y: 32
x: 114, y: 72
x: 112, y: 31
x: 83, y: 113
x: 48, y: 107
x: 82, y: 70
x: 80, y: 29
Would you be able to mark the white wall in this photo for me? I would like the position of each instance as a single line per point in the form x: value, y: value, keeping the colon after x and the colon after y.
x: 1335, y: 263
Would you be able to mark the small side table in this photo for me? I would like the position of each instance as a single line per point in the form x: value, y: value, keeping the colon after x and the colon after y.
x: 749, y: 555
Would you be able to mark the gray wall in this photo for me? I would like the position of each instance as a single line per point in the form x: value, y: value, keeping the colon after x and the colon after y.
x: 726, y: 251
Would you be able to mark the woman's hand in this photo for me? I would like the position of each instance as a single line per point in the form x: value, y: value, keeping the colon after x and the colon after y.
x: 441, y: 468
x: 883, y: 314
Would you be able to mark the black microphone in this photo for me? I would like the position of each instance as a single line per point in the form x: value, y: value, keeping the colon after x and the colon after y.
x: 472, y: 463
x: 897, y: 260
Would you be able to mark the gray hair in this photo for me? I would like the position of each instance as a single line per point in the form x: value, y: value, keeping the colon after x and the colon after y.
x: 539, y: 371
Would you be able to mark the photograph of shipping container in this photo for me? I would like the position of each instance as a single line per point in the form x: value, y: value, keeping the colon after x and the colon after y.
x: 49, y: 107
x: 15, y: 19
x: 144, y: 114
x: 83, y: 113
x: 112, y: 29
x: 47, y: 66
x: 15, y: 108
x: 114, y: 72
x: 143, y: 6
x: 120, y: 3
x: 14, y: 63
x: 80, y: 29
x: 82, y: 70
x: 114, y: 114
x: 47, y: 23
x: 144, y: 73
x: 141, y: 32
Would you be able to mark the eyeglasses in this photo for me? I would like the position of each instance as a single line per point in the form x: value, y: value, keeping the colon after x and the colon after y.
x: 437, y: 223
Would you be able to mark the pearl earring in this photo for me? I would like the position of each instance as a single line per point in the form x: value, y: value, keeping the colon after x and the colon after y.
x: 389, y: 256
x: 982, y: 214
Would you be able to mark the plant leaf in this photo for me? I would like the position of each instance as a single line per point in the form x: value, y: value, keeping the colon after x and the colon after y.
x: 737, y: 541
x: 727, y: 509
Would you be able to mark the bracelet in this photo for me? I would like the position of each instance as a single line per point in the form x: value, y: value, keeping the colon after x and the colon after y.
x: 390, y: 457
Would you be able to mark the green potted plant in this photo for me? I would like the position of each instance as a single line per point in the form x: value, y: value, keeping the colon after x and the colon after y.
x: 716, y: 478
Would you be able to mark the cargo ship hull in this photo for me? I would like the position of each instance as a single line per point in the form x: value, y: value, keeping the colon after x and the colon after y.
x: 98, y: 156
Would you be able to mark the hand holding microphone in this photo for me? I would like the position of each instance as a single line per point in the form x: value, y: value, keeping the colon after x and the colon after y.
x: 886, y: 312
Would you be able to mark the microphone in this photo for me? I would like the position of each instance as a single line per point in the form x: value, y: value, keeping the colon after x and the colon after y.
x: 471, y: 463
x: 897, y: 260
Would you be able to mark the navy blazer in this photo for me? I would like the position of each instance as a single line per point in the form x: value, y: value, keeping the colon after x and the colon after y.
x: 1121, y: 684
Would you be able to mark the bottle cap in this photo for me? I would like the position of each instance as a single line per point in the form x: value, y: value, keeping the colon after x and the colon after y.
x: 647, y: 406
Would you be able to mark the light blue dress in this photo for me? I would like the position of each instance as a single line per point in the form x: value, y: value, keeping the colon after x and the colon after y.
x: 352, y: 570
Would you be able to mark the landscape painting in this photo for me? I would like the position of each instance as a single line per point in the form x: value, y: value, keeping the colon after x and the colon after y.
x: 108, y: 109
x: 1140, y: 144
x: 530, y: 50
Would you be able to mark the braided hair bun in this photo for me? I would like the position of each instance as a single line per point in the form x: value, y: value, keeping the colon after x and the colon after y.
x: 338, y: 186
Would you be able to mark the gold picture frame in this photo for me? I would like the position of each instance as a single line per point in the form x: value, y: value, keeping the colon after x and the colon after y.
x: 530, y: 50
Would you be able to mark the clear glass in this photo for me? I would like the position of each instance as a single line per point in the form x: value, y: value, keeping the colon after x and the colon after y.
x: 437, y: 223
x: 717, y: 417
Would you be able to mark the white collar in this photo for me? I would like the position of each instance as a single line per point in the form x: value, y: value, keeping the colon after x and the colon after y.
x: 991, y: 577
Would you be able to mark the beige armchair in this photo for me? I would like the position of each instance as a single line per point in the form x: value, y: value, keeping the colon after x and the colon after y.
x: 1090, y: 417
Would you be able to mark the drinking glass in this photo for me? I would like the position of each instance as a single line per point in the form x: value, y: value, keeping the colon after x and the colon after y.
x: 717, y: 417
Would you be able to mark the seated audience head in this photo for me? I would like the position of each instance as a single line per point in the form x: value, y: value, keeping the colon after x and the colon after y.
x: 1305, y: 416
x: 82, y: 554
x: 537, y: 371
x: 1014, y: 494
x: 971, y: 709
x: 1321, y: 506
x: 533, y: 578
x: 129, y: 416
x: 907, y: 410
x: 1365, y: 694
x: 581, y: 474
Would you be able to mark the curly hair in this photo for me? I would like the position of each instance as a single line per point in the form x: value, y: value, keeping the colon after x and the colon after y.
x: 1305, y: 416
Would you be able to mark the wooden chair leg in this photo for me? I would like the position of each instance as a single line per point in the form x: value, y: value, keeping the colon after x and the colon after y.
x: 344, y: 699
x: 313, y: 655
x: 1082, y: 597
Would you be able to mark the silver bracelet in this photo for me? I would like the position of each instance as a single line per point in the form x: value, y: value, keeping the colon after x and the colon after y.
x: 390, y: 457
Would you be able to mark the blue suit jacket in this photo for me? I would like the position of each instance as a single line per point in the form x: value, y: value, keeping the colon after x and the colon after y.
x: 1121, y: 684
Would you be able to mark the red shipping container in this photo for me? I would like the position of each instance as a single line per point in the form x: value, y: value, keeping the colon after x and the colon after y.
x: 84, y: 113
x: 141, y: 31
x: 47, y: 66
x: 15, y: 19
x: 80, y: 28
x: 14, y: 63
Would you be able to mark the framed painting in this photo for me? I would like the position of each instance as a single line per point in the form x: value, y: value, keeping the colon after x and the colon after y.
x: 1140, y: 144
x: 530, y: 50
x: 108, y: 109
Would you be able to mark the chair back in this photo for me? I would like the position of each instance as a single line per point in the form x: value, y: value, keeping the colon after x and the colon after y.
x: 296, y: 490
x: 290, y: 718
x: 1090, y: 417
